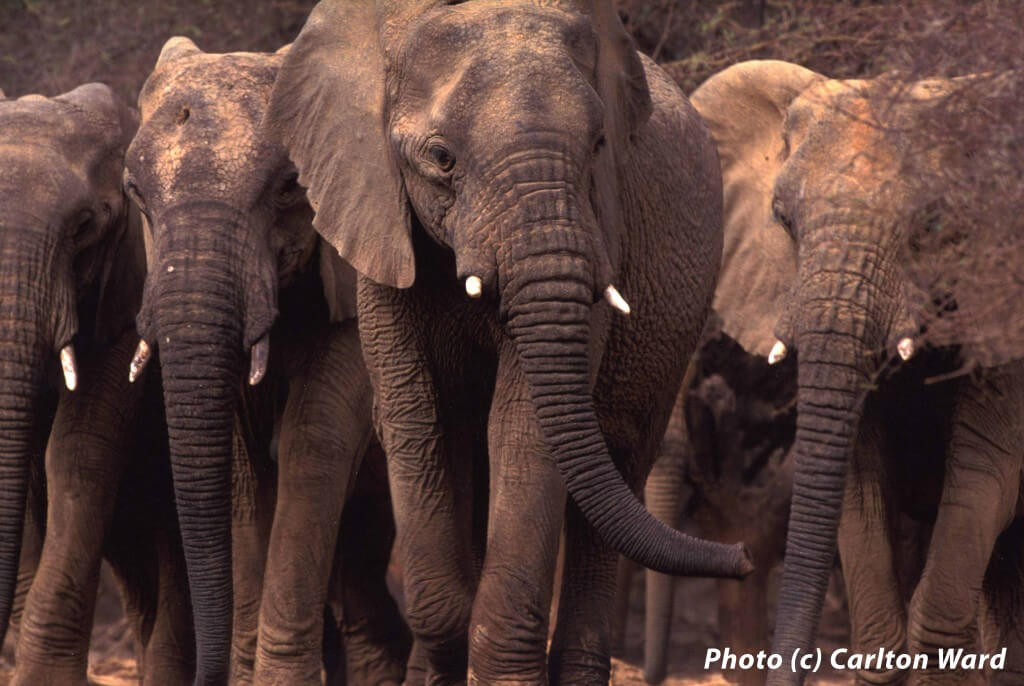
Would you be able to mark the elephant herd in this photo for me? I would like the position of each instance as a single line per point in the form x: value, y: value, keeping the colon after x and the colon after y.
x: 431, y: 278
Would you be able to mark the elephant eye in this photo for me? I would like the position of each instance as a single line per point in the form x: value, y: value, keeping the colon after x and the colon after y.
x: 441, y: 156
x: 290, y: 190
x: 779, y: 214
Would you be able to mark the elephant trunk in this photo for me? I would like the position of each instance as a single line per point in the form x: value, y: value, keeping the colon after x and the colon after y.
x: 547, y: 298
x: 199, y: 333
x: 36, y: 317
x: 842, y: 325
x: 20, y: 379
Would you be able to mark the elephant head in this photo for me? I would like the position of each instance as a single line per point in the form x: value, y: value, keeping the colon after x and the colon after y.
x: 821, y: 219
x: 227, y: 228
x: 498, y: 129
x: 71, y: 269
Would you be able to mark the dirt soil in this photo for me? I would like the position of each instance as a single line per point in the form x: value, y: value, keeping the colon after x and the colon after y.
x: 111, y: 661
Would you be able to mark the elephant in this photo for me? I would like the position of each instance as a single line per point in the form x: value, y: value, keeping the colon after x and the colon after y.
x: 261, y: 469
x: 72, y: 265
x: 533, y: 210
x: 829, y: 218
x: 725, y: 465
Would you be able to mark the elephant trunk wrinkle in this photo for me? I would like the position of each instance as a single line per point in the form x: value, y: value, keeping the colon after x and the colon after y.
x: 548, y: 299
x: 27, y: 332
x: 833, y: 376
x: 200, y: 349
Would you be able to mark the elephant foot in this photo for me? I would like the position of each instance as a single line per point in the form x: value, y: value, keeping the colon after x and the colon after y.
x: 930, y: 678
x: 37, y: 675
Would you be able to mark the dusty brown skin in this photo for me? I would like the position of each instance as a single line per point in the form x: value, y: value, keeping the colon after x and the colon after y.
x: 235, y: 264
x: 528, y: 145
x: 814, y: 200
x: 72, y: 266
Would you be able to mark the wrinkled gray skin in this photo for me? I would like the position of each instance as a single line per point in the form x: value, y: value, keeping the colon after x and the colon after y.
x: 72, y: 266
x: 527, y: 145
x: 724, y: 465
x: 823, y: 218
x: 235, y: 261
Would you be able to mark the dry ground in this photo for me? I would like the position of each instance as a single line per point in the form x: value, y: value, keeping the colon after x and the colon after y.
x: 694, y: 630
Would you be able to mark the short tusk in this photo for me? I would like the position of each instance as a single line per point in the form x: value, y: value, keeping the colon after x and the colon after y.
x: 615, y: 299
x: 474, y: 286
x: 67, y: 363
x: 905, y: 348
x: 258, y: 357
x: 139, y: 361
x: 778, y: 353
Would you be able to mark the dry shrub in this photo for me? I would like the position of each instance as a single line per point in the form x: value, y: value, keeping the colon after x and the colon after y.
x: 962, y: 162
x: 51, y: 46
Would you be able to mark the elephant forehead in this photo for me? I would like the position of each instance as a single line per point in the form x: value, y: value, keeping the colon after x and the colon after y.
x: 503, y: 36
x: 201, y: 120
x: 493, y: 74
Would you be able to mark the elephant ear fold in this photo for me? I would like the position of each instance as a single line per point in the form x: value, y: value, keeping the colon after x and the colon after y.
x: 621, y: 78
x: 327, y: 110
x: 122, y: 278
x: 339, y: 281
x: 745, y: 107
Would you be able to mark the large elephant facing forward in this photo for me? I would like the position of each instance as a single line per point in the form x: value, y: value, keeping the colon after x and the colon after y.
x: 238, y: 272
x: 497, y: 171
x: 71, y: 271
x: 832, y: 227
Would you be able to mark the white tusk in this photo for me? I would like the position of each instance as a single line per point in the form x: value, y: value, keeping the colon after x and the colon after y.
x: 67, y: 363
x: 615, y: 299
x: 258, y: 357
x: 905, y: 348
x: 474, y: 286
x: 139, y: 361
x: 778, y: 353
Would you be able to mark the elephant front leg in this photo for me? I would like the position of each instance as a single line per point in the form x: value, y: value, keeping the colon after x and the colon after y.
x: 325, y: 430
x: 509, y: 628
x: 877, y: 615
x: 581, y: 647
x: 376, y: 639
x: 980, y: 490
x: 433, y: 508
x: 252, y: 514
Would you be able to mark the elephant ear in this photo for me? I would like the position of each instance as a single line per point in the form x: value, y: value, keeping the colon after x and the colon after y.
x: 622, y: 82
x: 622, y: 86
x: 122, y: 278
x: 339, y: 282
x: 745, y: 107
x: 327, y: 110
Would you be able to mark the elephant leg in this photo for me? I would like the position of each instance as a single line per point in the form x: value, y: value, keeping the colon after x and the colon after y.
x: 877, y: 614
x: 432, y: 520
x: 376, y: 639
x: 508, y: 635
x: 252, y: 513
x: 325, y: 430
x: 580, y: 648
x: 625, y: 570
x: 1003, y: 607
x: 980, y: 490
x: 84, y: 467
x: 663, y: 495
